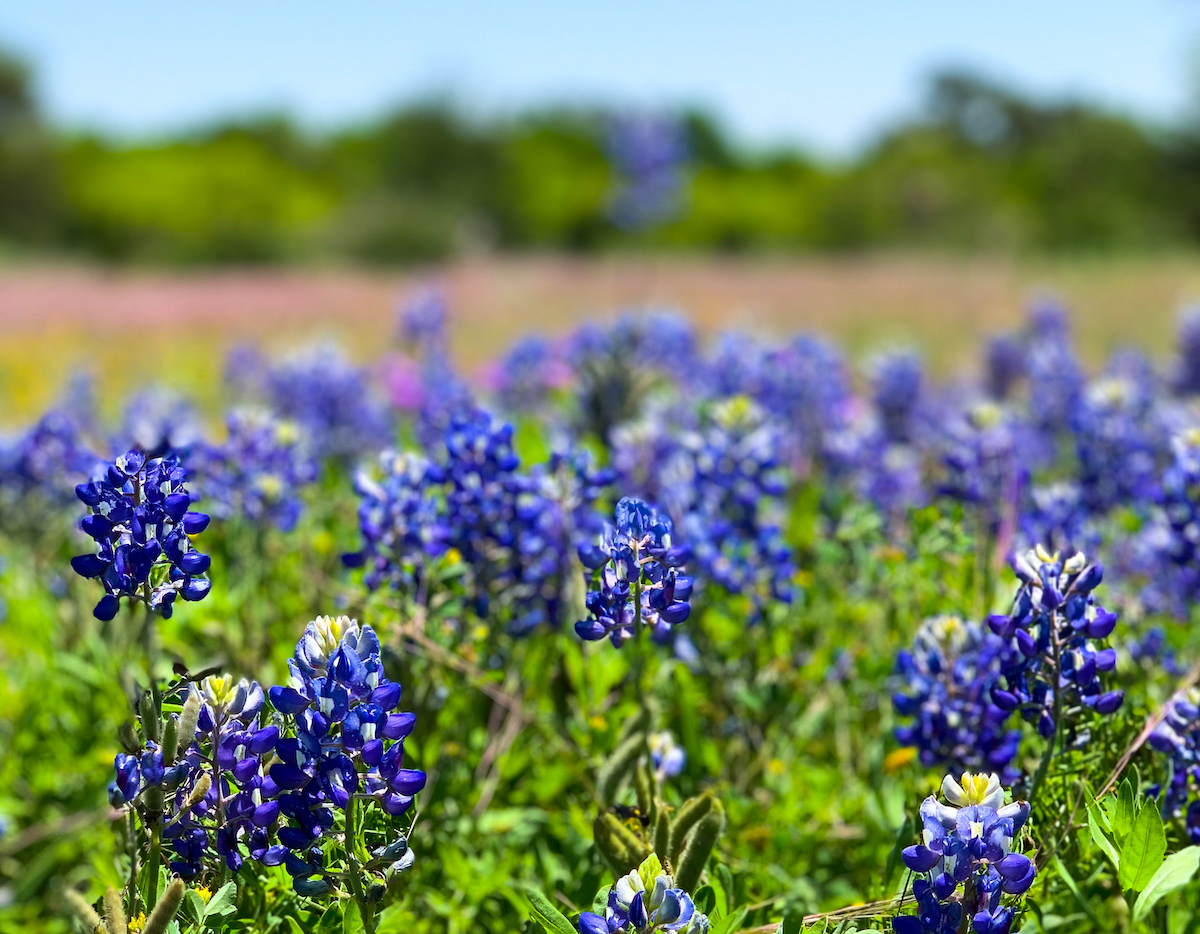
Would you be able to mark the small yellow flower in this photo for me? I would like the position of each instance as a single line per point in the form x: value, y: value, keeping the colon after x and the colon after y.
x: 453, y: 555
x: 204, y: 892
x: 597, y: 722
x: 138, y: 922
x: 899, y: 758
x: 775, y: 766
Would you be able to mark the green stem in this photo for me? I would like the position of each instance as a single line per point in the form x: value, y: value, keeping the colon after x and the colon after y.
x: 131, y: 889
x: 354, y: 876
x: 1044, y: 766
x: 152, y: 863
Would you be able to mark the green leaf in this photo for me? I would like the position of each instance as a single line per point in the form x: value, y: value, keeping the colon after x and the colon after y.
x: 331, y: 920
x: 544, y: 913
x: 1142, y: 851
x: 1095, y: 828
x: 1176, y: 871
x: 1079, y: 897
x: 222, y: 902
x: 903, y: 837
x: 600, y: 902
x: 352, y: 921
x: 293, y: 924
x: 705, y: 900
x: 731, y: 923
x: 1126, y: 811
x: 793, y: 919
x: 650, y: 869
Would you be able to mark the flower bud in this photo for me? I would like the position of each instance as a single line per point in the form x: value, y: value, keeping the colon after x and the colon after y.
x: 203, y: 783
x: 189, y: 717
x: 128, y: 738
x: 148, y: 713
x: 170, y: 743
x: 165, y: 908
x: 114, y: 913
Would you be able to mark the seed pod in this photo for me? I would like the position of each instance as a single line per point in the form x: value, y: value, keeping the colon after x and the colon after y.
x: 187, y: 719
x: 203, y: 783
x: 645, y: 797
x: 662, y: 835
x: 616, y: 767
x: 170, y: 742
x: 114, y: 913
x: 151, y: 724
x: 685, y: 819
x: 165, y: 908
x: 621, y: 848
x: 83, y: 908
x: 699, y: 848
x: 128, y: 738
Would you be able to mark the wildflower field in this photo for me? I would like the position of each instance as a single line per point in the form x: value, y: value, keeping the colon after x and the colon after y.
x: 640, y: 632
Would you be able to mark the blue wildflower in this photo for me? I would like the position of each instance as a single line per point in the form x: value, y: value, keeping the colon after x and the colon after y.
x: 142, y: 524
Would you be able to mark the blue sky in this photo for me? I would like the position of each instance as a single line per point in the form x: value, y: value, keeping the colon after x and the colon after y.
x: 825, y: 75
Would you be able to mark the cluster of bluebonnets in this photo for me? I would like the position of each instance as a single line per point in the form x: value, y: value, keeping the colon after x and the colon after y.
x: 661, y: 483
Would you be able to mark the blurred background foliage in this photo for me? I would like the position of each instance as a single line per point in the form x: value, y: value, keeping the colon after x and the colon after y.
x: 981, y: 168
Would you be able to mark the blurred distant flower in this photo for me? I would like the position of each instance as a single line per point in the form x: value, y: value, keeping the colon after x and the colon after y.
x: 666, y: 755
x: 1186, y: 378
x: 1178, y: 736
x: 648, y: 156
x: 45, y: 461
x: 980, y: 462
x: 158, y: 421
x: 257, y: 472
x: 1171, y: 541
x: 140, y: 520
x: 1006, y: 364
x: 422, y: 322
x: 1056, y: 378
x: 525, y: 376
x: 897, y: 379
x: 1055, y: 516
x: 330, y: 399
x: 945, y: 685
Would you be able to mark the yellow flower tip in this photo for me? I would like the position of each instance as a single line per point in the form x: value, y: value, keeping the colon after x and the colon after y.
x: 1045, y: 556
x: 597, y: 722
x: 204, y: 892
x: 899, y: 758
x: 138, y: 922
x: 775, y: 766
x: 453, y: 555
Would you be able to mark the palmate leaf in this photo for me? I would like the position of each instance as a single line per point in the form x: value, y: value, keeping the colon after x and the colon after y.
x: 1176, y: 871
x: 1142, y: 851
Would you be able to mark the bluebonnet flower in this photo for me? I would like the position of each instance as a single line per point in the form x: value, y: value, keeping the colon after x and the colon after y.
x: 725, y: 488
x: 896, y: 386
x: 525, y: 377
x: 1056, y: 378
x: 966, y: 861
x: 1178, y: 736
x: 1172, y: 539
x: 556, y: 514
x: 348, y: 742
x: 945, y: 685
x: 1151, y: 650
x: 1116, y: 442
x: 1004, y: 366
x: 981, y: 464
x: 1058, y: 628
x: 639, y: 584
x: 207, y: 791
x: 806, y: 386
x: 38, y: 471
x: 438, y: 393
x: 1055, y: 516
x: 330, y: 399
x: 648, y: 155
x: 140, y: 520
x: 641, y: 904
x: 403, y: 521
x: 257, y: 472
